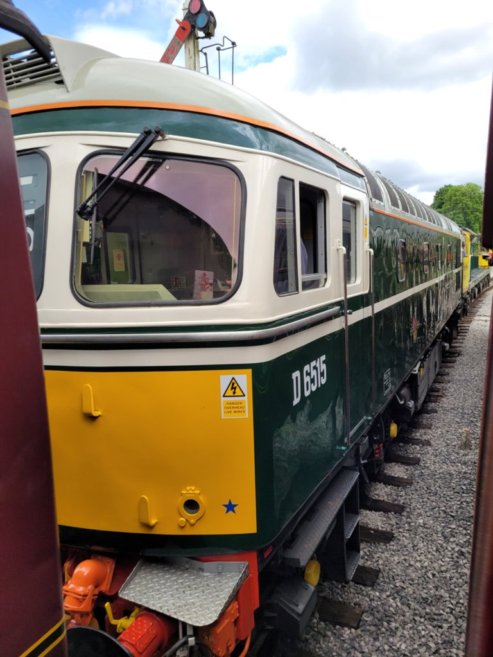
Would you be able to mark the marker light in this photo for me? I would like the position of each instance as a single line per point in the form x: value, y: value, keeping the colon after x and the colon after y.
x: 194, y: 6
x: 202, y: 20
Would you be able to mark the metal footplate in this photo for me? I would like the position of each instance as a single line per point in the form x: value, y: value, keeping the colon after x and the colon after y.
x: 311, y: 530
x: 193, y: 592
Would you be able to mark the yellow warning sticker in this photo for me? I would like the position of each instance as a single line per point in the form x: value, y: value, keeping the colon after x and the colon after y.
x: 234, y: 396
x: 233, y: 389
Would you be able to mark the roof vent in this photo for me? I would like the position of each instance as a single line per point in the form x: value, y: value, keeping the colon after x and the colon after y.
x: 27, y: 67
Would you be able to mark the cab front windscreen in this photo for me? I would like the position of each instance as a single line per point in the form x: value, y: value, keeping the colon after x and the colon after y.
x: 167, y: 231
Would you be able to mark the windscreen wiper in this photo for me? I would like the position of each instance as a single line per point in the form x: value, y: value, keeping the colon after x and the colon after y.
x: 140, y: 180
x: 142, y: 144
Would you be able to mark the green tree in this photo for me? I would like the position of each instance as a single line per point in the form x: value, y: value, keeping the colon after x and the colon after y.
x: 462, y: 203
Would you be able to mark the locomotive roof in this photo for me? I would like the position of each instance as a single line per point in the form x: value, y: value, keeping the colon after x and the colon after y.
x: 80, y: 74
x: 386, y: 195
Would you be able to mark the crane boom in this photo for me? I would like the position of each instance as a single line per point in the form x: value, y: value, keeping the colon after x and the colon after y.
x: 175, y: 45
x: 197, y: 18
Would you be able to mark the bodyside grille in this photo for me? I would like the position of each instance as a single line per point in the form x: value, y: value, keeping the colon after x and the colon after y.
x: 27, y: 68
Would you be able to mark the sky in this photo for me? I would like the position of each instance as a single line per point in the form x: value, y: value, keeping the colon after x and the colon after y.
x: 404, y: 86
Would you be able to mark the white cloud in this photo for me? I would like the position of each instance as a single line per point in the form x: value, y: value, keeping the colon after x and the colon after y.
x: 439, y: 133
x: 125, y: 42
x: 427, y: 124
x: 411, y: 20
x: 117, y: 8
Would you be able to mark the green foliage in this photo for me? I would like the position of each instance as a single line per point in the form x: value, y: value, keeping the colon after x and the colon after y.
x: 461, y: 203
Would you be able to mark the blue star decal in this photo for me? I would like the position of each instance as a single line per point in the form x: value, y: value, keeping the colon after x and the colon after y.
x: 230, y: 507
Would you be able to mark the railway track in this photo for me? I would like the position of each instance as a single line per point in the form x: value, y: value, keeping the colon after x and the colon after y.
x: 409, y: 594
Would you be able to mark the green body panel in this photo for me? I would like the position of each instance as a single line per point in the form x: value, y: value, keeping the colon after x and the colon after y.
x: 303, y: 433
x: 301, y: 438
x: 385, y: 235
x: 297, y: 444
x: 360, y: 375
x: 406, y: 329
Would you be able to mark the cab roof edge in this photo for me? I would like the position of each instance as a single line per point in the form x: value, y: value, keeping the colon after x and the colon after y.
x: 68, y: 56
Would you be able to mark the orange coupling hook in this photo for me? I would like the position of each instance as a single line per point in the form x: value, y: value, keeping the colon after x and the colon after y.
x: 90, y: 578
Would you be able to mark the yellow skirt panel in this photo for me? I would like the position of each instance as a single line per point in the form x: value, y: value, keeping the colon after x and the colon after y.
x: 154, y: 452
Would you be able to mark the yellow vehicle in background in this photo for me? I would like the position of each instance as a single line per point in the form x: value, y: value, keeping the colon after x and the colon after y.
x: 476, y: 260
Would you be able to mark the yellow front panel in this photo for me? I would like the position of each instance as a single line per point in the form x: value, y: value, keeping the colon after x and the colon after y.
x: 154, y: 452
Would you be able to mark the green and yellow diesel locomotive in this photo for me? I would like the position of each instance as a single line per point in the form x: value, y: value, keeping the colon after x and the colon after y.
x: 234, y: 316
x: 475, y: 264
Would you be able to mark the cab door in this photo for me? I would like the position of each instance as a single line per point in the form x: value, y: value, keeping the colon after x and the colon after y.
x: 355, y: 276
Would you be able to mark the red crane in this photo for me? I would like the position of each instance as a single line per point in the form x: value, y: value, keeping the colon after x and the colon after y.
x: 197, y: 18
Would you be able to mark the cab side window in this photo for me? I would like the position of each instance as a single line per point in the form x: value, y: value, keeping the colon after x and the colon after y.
x: 285, y: 262
x: 33, y: 172
x: 313, y: 237
x: 349, y: 239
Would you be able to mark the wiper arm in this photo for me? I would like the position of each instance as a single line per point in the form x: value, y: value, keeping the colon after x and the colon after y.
x: 143, y: 142
x: 140, y: 180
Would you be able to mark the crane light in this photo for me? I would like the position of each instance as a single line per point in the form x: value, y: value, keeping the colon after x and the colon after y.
x: 201, y: 18
x: 194, y: 6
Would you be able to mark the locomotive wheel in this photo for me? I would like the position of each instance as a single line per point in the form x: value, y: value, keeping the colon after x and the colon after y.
x: 88, y: 642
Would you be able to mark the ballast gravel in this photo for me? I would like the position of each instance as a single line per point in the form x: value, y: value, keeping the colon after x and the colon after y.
x: 418, y: 606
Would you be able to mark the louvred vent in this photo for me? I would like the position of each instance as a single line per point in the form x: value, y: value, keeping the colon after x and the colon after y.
x: 27, y: 68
